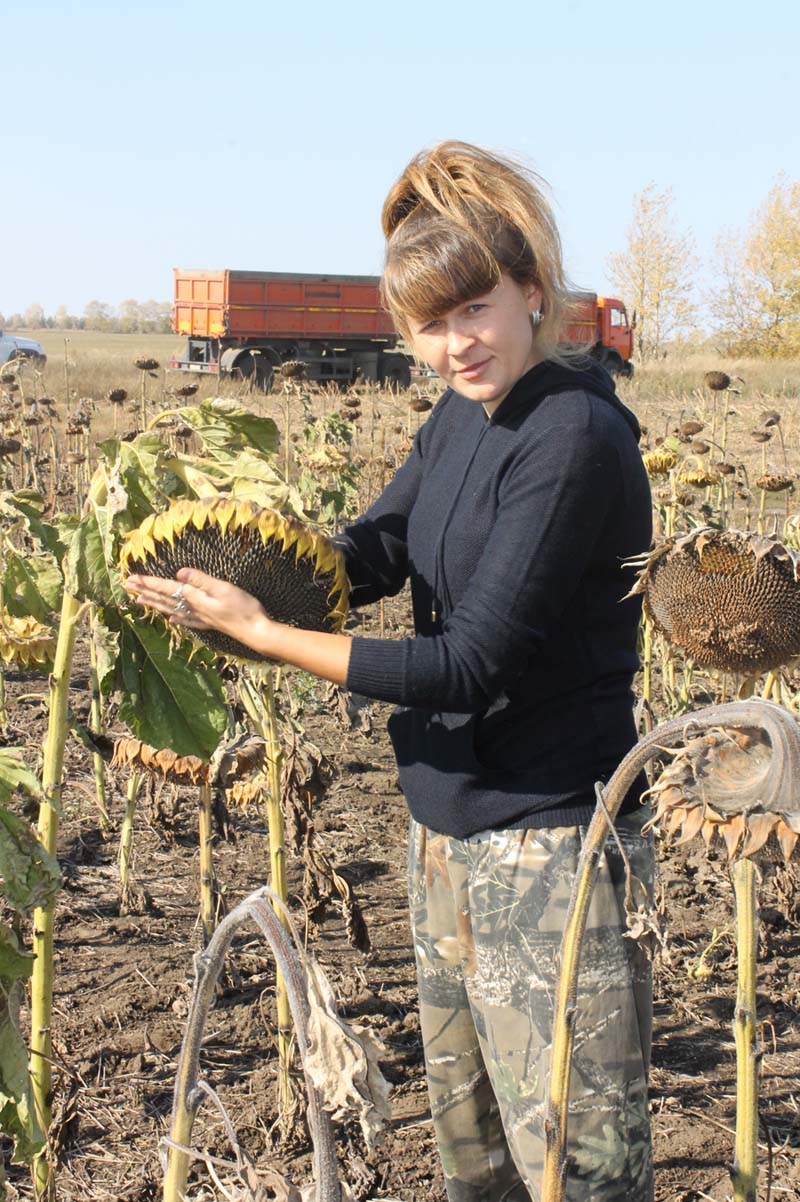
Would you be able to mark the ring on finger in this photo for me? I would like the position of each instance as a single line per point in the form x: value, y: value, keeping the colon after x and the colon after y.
x: 181, y: 607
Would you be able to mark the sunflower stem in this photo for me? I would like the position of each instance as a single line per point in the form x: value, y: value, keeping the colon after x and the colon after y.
x: 207, y: 879
x: 126, y: 837
x: 44, y: 916
x: 744, y: 1172
x: 260, y: 705
x: 96, y: 727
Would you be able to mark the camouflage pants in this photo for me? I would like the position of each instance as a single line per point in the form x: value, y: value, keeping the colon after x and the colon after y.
x: 487, y: 915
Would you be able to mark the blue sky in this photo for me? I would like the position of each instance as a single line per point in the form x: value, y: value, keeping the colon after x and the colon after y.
x: 265, y: 135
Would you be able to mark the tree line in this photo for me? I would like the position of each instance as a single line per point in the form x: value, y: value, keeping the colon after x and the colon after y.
x: 749, y: 303
x: 750, y: 299
x: 130, y: 317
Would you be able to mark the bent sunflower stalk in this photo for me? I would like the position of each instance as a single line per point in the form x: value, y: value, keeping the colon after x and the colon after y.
x: 760, y: 801
x: 188, y: 1093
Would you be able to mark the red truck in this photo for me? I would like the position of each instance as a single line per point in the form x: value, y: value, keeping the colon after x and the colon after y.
x: 248, y: 323
x: 599, y: 326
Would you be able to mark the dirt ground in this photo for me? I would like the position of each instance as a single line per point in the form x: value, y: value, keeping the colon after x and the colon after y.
x: 123, y: 982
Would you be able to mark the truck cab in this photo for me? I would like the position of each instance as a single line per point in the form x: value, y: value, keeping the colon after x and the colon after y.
x: 615, y: 335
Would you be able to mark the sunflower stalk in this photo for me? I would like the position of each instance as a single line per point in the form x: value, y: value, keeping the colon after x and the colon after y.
x: 744, y: 1172
x: 44, y: 916
x: 96, y: 727
x: 207, y: 878
x: 260, y: 706
x: 126, y: 837
x: 188, y: 1095
x: 784, y: 779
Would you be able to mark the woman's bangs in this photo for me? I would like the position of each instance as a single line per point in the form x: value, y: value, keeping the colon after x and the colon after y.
x: 426, y: 285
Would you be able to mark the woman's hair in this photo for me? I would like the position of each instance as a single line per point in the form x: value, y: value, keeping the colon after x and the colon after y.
x: 455, y: 220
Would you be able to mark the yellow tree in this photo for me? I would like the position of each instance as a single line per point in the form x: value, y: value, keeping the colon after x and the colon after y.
x: 756, y: 306
x: 654, y: 273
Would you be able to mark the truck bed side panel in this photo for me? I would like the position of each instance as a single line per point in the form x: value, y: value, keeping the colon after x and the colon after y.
x: 266, y: 304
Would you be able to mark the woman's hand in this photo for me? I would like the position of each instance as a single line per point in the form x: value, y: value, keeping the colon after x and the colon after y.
x: 200, y: 602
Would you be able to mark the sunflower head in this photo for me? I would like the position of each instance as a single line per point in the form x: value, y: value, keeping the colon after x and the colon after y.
x: 731, y: 601
x: 294, y: 571
x: 728, y: 784
x: 25, y: 641
x: 659, y: 462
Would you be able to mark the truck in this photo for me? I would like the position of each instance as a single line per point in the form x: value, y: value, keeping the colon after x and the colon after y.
x: 599, y: 326
x: 250, y: 323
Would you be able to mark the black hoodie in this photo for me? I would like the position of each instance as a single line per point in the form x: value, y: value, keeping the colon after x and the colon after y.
x: 515, y: 694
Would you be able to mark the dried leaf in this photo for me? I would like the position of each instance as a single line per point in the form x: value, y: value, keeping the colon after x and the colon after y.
x: 759, y: 828
x: 342, y: 1061
x: 732, y: 832
x: 787, y: 839
x: 692, y: 823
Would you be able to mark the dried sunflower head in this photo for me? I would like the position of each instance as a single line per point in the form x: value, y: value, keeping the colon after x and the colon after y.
x: 775, y: 483
x: 731, y: 601
x: 717, y: 381
x: 689, y: 429
x: 25, y: 641
x: 146, y: 364
x: 699, y: 477
x: 293, y: 369
x: 164, y: 763
x: 294, y: 571
x: 726, y: 784
x: 659, y: 463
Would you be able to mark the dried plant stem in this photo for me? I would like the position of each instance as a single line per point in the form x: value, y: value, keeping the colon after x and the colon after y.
x: 126, y: 836
x: 744, y: 1172
x: 261, y: 708
x: 207, y: 879
x: 188, y: 1093
x: 781, y: 730
x: 44, y: 916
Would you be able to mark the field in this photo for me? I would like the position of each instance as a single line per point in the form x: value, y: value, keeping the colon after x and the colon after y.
x: 123, y: 968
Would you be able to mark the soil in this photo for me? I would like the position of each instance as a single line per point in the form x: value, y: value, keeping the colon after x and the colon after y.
x: 123, y: 983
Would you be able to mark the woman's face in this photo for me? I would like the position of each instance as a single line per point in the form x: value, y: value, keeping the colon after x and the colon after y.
x: 483, y: 346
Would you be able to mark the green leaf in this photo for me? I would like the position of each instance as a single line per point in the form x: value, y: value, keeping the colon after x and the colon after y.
x: 16, y: 777
x: 32, y: 585
x: 170, y: 697
x: 15, y: 964
x: 138, y: 481
x: 28, y: 506
x: 106, y: 646
x: 29, y: 875
x: 224, y: 425
x: 90, y: 568
x: 17, y: 1115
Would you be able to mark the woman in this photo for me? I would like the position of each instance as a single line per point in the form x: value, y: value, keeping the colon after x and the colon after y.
x: 522, y: 495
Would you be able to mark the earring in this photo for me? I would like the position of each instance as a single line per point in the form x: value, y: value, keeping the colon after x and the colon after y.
x: 536, y: 317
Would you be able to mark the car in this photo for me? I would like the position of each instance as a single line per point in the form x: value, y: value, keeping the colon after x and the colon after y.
x: 14, y: 347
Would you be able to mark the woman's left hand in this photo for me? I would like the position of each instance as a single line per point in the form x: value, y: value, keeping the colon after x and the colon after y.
x: 198, y: 601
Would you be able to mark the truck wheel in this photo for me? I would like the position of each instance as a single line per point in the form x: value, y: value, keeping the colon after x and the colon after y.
x: 613, y: 364
x: 255, y: 368
x: 396, y: 373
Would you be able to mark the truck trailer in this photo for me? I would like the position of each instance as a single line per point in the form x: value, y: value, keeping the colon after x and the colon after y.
x: 249, y: 323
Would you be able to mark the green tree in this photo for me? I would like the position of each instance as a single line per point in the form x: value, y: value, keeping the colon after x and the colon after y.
x: 655, y: 272
x: 756, y: 305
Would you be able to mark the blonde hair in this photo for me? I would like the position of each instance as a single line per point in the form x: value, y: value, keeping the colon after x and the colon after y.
x: 457, y: 218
